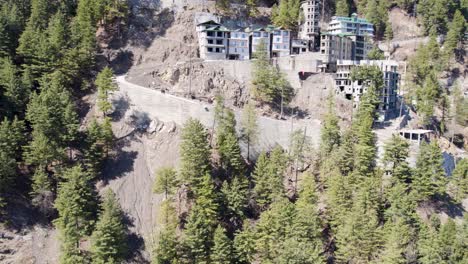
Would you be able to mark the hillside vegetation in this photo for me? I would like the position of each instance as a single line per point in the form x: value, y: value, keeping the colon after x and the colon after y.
x: 338, y: 202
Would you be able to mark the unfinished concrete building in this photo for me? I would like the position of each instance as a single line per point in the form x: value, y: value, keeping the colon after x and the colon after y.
x: 309, y: 29
x: 353, y: 90
x: 334, y: 48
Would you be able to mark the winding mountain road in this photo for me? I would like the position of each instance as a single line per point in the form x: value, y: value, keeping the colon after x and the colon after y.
x: 170, y: 108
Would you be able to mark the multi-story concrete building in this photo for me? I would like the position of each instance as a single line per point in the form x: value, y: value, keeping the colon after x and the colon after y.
x: 281, y: 42
x: 238, y: 45
x: 351, y: 25
x: 299, y: 46
x: 334, y: 47
x: 310, y: 28
x: 213, y: 40
x: 354, y: 90
x: 259, y: 36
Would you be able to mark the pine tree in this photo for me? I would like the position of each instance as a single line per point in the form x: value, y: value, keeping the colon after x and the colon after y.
x: 460, y: 105
x: 287, y: 14
x: 395, y: 155
x: 249, y: 126
x: 397, y: 237
x: 455, y: 33
x: 342, y: 8
x: 105, y: 85
x: 166, y: 242
x: 274, y: 226
x: 222, y: 251
x: 428, y: 248
x: 42, y: 191
x: 339, y: 197
x: 76, y: 207
x: 330, y: 134
x: 15, y: 93
x: 11, y: 137
x: 11, y: 26
x: 202, y: 222
x: 429, y: 178
x: 294, y: 251
x: 375, y: 54
x: 244, y: 244
x: 194, y: 153
x: 227, y: 143
x: 268, y: 177
x: 236, y: 195
x: 109, y: 238
x: 166, y: 181
x: 388, y: 31
x: 252, y: 9
x: 359, y: 237
x: 53, y: 119
x: 459, y: 181
x: 427, y: 97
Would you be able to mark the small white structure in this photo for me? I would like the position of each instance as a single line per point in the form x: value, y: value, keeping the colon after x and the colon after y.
x: 213, y: 38
x: 354, y: 90
x: 351, y: 25
x: 310, y: 28
x: 418, y: 135
x: 238, y: 45
x: 281, y: 42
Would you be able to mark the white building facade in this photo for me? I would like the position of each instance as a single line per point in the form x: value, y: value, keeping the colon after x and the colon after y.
x: 310, y: 27
x: 238, y: 45
x: 351, y: 25
x: 260, y: 36
x: 281, y: 42
x: 345, y: 87
x: 213, y: 40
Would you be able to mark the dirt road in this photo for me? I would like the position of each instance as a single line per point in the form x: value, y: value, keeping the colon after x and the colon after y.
x: 167, y: 108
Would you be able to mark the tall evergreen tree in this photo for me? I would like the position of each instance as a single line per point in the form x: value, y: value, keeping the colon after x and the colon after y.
x: 194, y: 153
x: 109, y: 238
x: 222, y: 252
x: 201, y: 223
x: 76, y: 208
x: 330, y: 133
x: 166, y: 243
x: 342, y: 8
x: 105, y: 85
x: 249, y: 126
x: 429, y: 177
x: 459, y: 181
x: 166, y: 181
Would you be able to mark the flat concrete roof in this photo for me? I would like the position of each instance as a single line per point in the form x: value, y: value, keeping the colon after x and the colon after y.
x: 416, y: 131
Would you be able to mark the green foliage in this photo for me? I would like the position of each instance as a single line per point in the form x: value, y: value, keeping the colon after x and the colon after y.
x: 460, y: 105
x: 105, y: 85
x: 227, y: 143
x: 166, y: 181
x: 375, y: 54
x: 14, y: 92
x: 202, y: 222
x: 359, y: 237
x: 109, y: 238
x: 54, y: 122
x: 194, y: 153
x: 459, y: 181
x: 377, y: 14
x: 287, y: 14
x: 268, y: 177
x: 249, y: 126
x: 222, y: 252
x: 10, y: 28
x: 330, y: 134
x: 270, y: 86
x: 342, y: 8
x: 244, y: 244
x: 397, y: 239
x: 223, y: 5
x: 429, y: 176
x: 252, y: 9
x: 11, y: 139
x: 76, y: 208
x: 236, y: 195
x: 434, y: 15
x: 166, y: 243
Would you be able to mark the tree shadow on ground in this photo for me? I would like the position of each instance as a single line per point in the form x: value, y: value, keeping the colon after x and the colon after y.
x: 121, y: 162
x: 449, y: 206
x: 121, y: 106
x: 135, y: 243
